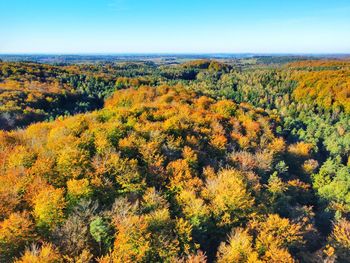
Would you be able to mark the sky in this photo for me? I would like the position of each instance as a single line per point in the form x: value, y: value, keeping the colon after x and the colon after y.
x: 174, y: 26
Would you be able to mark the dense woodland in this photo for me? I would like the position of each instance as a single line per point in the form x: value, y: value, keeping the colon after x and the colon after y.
x: 198, y: 161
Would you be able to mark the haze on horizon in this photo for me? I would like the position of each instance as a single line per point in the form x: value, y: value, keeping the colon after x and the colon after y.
x: 192, y: 26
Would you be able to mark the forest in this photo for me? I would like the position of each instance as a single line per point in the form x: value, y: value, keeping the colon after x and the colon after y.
x: 187, y: 160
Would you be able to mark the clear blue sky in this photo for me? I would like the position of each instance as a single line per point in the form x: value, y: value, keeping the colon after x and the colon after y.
x: 174, y: 26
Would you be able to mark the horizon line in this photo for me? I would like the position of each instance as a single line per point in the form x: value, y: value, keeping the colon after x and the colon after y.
x: 170, y: 53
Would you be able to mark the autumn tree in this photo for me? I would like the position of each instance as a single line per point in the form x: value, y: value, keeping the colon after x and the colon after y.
x: 16, y: 232
x: 49, y: 207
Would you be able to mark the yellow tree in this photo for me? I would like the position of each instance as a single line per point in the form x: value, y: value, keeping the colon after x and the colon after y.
x: 340, y: 238
x: 16, y: 232
x: 132, y: 242
x: 77, y: 190
x: 48, y: 207
x: 46, y: 254
x: 229, y: 196
x: 238, y: 249
x: 275, y: 236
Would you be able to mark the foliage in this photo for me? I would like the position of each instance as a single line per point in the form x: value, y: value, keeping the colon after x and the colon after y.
x: 46, y: 254
x: 48, y: 207
x: 16, y: 232
x: 218, y: 161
